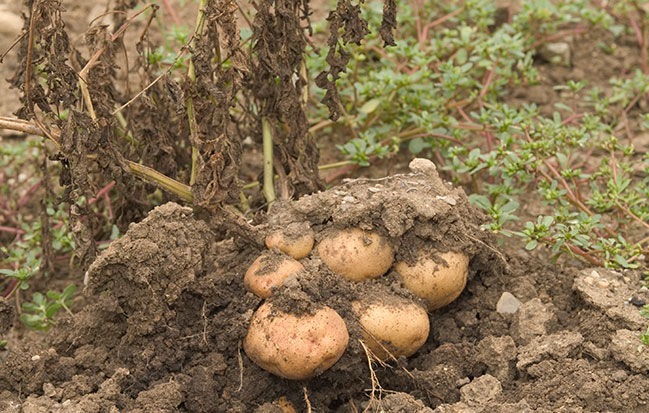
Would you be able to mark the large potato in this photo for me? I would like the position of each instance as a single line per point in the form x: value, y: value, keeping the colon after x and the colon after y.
x: 268, y: 271
x: 356, y: 254
x: 296, y: 239
x: 438, y: 281
x: 295, y: 347
x: 398, y: 326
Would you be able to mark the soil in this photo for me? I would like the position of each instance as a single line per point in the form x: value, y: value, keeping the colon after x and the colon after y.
x: 164, y: 313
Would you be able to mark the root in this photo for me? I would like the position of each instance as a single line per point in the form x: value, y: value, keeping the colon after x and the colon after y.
x: 306, y: 399
x: 240, y: 367
x: 204, y: 315
x: 376, y: 386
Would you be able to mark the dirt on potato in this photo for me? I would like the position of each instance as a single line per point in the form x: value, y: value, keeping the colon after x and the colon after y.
x: 167, y: 312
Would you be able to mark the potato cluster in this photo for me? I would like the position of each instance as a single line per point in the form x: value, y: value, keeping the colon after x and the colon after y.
x: 302, y: 346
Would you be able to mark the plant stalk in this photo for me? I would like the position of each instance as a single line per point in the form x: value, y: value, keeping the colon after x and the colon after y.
x: 191, y: 73
x: 269, y: 184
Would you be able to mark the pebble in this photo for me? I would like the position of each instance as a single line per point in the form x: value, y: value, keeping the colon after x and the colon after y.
x: 603, y: 283
x: 507, y: 304
x: 447, y: 199
x: 423, y: 166
x: 556, y: 52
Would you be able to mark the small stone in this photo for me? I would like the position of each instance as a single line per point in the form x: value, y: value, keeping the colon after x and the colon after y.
x: 589, y: 280
x: 422, y: 166
x: 447, y: 199
x: 638, y: 302
x: 507, y: 304
x: 603, y: 283
x: 373, y: 189
x: 36, y: 357
x: 557, y: 53
x: 594, y: 274
x: 350, y: 199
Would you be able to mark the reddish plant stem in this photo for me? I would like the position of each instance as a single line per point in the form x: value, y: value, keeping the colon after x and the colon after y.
x: 577, y: 251
x: 435, y: 135
x: 12, y: 285
x: 415, y: 6
x: 172, y: 12
x: 490, y: 76
x: 30, y: 192
x: 441, y: 20
x: 572, y: 118
x: 12, y: 230
x: 557, y: 36
x: 641, y: 39
x: 101, y: 192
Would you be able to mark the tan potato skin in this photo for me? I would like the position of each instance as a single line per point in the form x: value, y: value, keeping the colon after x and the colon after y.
x: 348, y: 253
x: 262, y: 284
x: 298, y: 248
x: 437, y: 283
x: 292, y: 347
x: 400, y: 328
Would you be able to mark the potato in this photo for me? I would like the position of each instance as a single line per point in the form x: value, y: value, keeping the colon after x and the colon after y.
x: 356, y: 254
x: 296, y: 240
x: 295, y: 347
x: 434, y: 280
x: 268, y: 271
x: 397, y: 325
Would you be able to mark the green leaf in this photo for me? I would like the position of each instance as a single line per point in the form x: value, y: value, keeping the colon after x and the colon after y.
x: 69, y: 290
x: 370, y: 106
x: 481, y: 201
x: 417, y: 145
x: 622, y: 261
x: 510, y: 207
x: 531, y: 245
x: 39, y: 299
x: 31, y: 307
x: 51, y: 309
x: 53, y: 295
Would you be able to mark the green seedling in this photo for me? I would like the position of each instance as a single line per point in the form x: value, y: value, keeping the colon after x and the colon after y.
x: 39, y: 313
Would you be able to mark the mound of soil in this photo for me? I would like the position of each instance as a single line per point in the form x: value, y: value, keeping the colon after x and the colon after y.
x: 167, y: 312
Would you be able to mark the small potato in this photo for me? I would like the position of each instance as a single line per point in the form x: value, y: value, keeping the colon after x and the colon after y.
x: 295, y: 347
x: 398, y: 326
x: 438, y: 283
x: 268, y: 271
x: 296, y: 240
x: 356, y: 254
